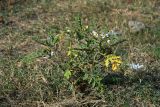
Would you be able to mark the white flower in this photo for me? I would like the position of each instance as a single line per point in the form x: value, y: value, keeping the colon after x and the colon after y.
x: 68, y: 30
x: 136, y: 66
x: 102, y: 35
x: 52, y: 53
x: 108, y: 41
x: 95, y: 34
x: 107, y: 35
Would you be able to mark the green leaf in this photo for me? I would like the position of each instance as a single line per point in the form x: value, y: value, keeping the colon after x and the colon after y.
x: 157, y: 52
x: 52, y: 40
x: 94, y: 83
x: 86, y: 76
x: 80, y: 35
x: 67, y: 74
x: 90, y: 80
x: 29, y: 58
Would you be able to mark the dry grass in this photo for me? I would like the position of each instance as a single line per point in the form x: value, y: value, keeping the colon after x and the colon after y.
x: 36, y: 84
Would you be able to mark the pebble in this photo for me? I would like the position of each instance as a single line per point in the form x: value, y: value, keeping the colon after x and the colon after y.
x: 136, y: 26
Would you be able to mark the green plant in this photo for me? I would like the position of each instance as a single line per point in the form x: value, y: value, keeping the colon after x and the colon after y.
x: 90, y: 55
x: 29, y: 58
x: 157, y: 52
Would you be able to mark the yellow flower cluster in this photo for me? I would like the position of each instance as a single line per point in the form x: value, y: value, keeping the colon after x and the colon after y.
x: 114, y: 60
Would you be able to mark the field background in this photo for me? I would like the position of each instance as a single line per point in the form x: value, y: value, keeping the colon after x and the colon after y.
x: 27, y: 80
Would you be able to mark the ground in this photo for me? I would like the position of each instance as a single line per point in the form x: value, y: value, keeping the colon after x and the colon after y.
x: 28, y: 80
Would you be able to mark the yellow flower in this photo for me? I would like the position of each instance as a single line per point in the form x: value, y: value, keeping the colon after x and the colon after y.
x: 114, y: 60
x: 115, y: 66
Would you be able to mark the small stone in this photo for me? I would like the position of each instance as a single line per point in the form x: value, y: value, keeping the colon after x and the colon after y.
x: 136, y: 26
